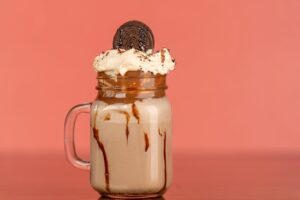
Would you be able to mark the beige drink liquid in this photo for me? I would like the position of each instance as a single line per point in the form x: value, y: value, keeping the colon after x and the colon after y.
x: 133, y: 141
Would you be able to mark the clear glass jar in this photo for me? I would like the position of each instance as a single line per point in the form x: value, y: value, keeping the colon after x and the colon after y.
x: 131, y: 136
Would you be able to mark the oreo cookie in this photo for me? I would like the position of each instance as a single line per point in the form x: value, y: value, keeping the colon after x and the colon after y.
x: 134, y: 34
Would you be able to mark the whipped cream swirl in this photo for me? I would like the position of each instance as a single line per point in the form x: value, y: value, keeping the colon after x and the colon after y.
x: 119, y: 61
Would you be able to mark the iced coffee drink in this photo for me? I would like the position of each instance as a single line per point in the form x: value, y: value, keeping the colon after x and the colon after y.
x: 131, y: 118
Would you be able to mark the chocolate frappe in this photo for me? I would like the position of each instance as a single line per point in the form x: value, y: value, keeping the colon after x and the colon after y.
x: 131, y: 118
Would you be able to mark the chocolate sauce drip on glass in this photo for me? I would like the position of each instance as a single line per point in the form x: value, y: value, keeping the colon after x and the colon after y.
x: 107, y: 117
x: 165, y: 159
x: 165, y: 163
x: 135, y: 112
x: 127, y: 123
x: 133, y: 86
x: 101, y: 146
x: 146, y: 142
x: 159, y: 133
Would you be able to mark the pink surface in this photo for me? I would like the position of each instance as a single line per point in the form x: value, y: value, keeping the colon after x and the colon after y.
x: 236, y: 87
x: 49, y: 177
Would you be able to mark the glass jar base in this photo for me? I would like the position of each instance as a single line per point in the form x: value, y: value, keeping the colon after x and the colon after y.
x: 132, y: 196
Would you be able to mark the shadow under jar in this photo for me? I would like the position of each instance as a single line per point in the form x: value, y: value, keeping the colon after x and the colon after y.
x: 131, y: 136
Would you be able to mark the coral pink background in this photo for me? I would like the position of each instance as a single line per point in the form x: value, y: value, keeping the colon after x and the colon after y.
x: 236, y: 87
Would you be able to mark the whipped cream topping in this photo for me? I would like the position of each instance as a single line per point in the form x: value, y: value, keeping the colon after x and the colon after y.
x: 119, y: 61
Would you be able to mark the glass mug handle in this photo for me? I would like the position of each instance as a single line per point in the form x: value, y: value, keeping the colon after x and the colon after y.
x: 70, y: 122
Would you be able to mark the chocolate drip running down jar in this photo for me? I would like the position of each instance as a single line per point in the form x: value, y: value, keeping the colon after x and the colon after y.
x: 130, y: 135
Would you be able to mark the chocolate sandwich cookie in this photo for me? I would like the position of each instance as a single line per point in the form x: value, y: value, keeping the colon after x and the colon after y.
x: 133, y: 34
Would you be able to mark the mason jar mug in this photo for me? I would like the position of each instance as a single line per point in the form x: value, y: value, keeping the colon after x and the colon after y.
x: 130, y: 136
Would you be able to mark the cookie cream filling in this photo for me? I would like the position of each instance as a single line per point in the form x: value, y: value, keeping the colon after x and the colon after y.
x: 119, y: 61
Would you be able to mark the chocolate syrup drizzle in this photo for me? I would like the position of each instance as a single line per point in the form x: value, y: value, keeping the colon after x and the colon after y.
x: 127, y: 122
x: 101, y: 147
x: 107, y: 117
x: 165, y: 160
x: 146, y: 141
x: 159, y: 133
x: 135, y: 112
